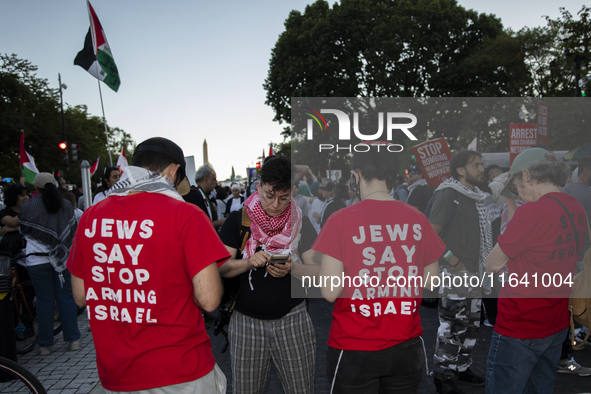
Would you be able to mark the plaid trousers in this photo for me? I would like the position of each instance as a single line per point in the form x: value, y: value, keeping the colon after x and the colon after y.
x: 289, y: 341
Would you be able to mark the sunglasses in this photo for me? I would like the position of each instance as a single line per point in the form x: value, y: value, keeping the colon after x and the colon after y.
x: 512, y: 187
x: 8, y: 180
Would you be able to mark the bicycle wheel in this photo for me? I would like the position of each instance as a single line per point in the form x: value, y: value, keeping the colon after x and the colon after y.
x: 25, y: 317
x: 14, y: 378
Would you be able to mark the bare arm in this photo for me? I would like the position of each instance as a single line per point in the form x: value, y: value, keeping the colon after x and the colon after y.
x: 331, y: 267
x: 234, y: 267
x: 218, y: 223
x: 207, y: 288
x: 430, y: 271
x: 78, y: 291
x: 456, y: 264
x: 10, y: 221
x: 308, y: 265
x: 301, y: 170
x: 496, y: 260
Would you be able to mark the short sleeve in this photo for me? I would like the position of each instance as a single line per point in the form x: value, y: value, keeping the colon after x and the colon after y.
x: 201, y: 244
x: 442, y: 206
x: 328, y: 241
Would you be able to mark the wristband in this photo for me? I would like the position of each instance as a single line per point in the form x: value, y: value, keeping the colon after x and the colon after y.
x: 296, y: 259
x: 454, y: 266
x: 448, y: 255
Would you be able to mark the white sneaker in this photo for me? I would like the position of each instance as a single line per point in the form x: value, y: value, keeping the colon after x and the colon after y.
x: 75, y: 345
x: 572, y: 367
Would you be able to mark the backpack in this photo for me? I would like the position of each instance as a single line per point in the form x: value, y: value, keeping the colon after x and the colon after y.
x: 579, y: 302
x: 403, y: 186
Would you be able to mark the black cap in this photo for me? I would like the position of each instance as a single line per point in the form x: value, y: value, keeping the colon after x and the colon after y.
x: 415, y: 170
x: 328, y: 187
x: 166, y: 147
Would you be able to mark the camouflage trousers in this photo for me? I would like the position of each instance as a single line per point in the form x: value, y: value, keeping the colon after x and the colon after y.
x: 459, y: 321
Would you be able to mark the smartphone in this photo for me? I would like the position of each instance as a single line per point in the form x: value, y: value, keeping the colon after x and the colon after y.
x: 279, y: 259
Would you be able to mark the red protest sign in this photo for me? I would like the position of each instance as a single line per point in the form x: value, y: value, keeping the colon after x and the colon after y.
x: 433, y: 157
x: 522, y: 136
x: 543, y: 123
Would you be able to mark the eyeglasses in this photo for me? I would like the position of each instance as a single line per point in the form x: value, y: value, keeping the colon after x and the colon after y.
x: 271, y: 198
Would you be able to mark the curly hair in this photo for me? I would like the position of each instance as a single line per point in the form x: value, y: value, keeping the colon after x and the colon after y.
x: 11, y: 194
x: 547, y: 170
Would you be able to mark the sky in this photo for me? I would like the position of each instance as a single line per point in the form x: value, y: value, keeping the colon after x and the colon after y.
x: 190, y: 70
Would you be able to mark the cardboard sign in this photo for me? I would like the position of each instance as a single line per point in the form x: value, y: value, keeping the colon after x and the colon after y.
x: 543, y: 123
x: 522, y: 136
x: 433, y: 157
x: 473, y: 145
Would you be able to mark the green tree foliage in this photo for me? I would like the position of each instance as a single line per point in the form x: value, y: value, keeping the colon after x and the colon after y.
x: 386, y: 48
x: 27, y: 103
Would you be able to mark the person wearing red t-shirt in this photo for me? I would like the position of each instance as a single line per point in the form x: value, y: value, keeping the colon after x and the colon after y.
x: 387, y: 248
x: 540, y: 248
x: 144, y: 263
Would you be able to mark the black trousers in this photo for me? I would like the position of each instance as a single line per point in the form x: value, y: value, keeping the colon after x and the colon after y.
x: 398, y: 369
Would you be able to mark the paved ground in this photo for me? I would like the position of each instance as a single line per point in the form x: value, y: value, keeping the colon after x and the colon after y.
x: 75, y: 372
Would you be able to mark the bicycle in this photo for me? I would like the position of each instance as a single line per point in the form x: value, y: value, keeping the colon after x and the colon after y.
x: 25, y: 313
x: 14, y: 378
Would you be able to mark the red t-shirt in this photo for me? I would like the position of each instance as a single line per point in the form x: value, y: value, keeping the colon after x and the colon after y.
x: 380, y: 239
x: 137, y: 256
x: 540, y: 244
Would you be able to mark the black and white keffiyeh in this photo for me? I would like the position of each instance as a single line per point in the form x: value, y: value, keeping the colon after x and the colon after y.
x: 56, y: 231
x: 487, y: 213
x: 138, y: 179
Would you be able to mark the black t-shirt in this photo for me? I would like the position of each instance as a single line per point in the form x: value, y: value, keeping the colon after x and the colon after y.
x: 269, y: 298
x: 331, y: 208
x: 420, y: 197
x: 7, y: 212
x: 11, y: 241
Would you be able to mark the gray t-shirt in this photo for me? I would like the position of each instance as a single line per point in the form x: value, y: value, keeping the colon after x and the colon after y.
x: 463, y: 237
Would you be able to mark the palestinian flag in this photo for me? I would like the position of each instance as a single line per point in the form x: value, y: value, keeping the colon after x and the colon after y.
x: 94, y: 166
x: 27, y: 162
x: 96, y: 57
x: 233, y: 175
x: 271, y: 153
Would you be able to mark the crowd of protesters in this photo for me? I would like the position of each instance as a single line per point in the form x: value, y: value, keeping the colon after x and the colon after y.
x: 175, y: 245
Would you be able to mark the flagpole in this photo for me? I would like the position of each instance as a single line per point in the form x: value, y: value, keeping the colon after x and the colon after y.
x: 105, y: 122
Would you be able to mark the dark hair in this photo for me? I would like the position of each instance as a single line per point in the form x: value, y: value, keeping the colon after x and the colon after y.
x: 220, y: 193
x: 461, y: 160
x: 11, y: 194
x: 155, y: 162
x: 70, y: 197
x: 376, y: 163
x: 490, y: 168
x: 278, y: 172
x: 106, y: 175
x: 340, y: 190
x: 585, y: 162
x: 51, y: 198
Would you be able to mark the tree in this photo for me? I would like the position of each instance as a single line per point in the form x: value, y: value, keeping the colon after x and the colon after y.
x: 386, y: 48
x: 27, y: 103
